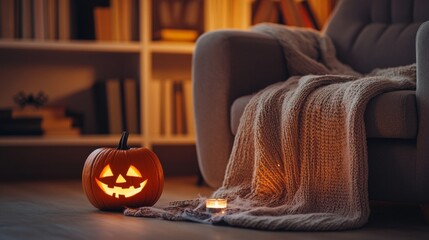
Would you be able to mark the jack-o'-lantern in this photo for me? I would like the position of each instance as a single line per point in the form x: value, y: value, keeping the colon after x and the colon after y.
x: 115, y: 178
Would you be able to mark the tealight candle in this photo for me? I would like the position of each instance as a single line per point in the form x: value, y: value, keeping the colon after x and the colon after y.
x: 216, y: 205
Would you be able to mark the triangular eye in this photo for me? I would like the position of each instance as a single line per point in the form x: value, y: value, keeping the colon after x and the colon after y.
x: 133, y: 172
x: 107, y: 172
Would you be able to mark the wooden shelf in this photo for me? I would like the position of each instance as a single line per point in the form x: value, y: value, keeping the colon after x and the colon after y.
x: 173, y: 140
x: 76, y: 46
x: 84, y: 140
x: 171, y: 47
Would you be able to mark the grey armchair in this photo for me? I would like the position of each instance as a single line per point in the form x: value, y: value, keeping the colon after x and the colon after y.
x: 229, y: 66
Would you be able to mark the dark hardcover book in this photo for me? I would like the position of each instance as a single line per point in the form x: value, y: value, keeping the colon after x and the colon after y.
x: 5, y: 113
x: 108, y: 104
x: 101, y: 3
x: 21, y: 126
x: 18, y: 18
x: 308, y: 15
x: 83, y: 16
x: 130, y: 105
x: 179, y: 116
x: 101, y: 112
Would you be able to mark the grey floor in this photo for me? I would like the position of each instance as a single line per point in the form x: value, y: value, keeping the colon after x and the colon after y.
x: 59, y: 210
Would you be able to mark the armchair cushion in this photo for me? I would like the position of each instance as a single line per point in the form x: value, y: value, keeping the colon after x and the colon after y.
x: 389, y: 115
x: 372, y: 34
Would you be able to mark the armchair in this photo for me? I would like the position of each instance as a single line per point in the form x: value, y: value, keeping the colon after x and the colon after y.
x: 229, y: 66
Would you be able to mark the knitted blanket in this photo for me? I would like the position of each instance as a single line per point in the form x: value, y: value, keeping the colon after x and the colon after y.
x: 299, y: 160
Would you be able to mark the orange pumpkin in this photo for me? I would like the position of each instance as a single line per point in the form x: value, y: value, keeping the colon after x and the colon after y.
x: 115, y: 178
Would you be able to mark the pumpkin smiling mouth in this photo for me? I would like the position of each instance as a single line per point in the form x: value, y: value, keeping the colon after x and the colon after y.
x: 117, y: 191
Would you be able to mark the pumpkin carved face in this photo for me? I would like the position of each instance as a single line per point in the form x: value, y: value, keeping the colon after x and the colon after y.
x: 119, y: 189
x: 123, y: 177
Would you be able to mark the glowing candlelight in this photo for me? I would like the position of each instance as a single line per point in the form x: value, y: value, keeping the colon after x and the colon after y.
x: 216, y: 205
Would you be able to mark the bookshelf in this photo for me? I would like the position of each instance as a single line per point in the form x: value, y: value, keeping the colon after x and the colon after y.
x: 71, y: 45
x: 67, y: 69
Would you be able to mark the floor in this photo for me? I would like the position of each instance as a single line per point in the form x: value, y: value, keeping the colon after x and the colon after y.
x: 60, y: 210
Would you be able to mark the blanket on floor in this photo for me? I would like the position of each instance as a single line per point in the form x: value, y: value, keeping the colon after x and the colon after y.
x: 299, y: 160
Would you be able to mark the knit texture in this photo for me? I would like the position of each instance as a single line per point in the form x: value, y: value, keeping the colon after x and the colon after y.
x: 299, y: 160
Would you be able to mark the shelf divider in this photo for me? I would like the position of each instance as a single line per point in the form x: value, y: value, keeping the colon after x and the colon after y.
x: 72, y: 45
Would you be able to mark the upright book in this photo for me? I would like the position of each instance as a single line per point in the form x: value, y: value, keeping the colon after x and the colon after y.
x: 189, y: 107
x: 64, y: 21
x: 131, y: 105
x: 108, y: 106
x: 40, y: 19
x: 7, y: 19
x: 117, y: 106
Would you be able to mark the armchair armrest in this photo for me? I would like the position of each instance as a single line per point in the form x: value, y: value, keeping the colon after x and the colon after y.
x: 422, y: 96
x: 228, y: 64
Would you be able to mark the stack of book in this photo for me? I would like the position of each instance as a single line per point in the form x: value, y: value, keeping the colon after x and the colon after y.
x: 49, y: 121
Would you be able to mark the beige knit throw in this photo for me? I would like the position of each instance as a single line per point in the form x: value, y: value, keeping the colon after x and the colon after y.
x: 299, y: 160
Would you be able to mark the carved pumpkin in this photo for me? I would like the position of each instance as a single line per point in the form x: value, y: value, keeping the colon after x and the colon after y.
x: 114, y: 178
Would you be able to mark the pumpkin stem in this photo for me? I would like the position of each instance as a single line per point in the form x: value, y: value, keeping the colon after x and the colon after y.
x: 123, y: 142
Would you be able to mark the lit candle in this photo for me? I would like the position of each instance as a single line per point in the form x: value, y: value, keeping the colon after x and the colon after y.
x: 216, y: 205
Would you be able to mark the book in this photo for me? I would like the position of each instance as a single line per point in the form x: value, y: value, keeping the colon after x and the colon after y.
x: 191, y: 18
x: 27, y: 19
x: 117, y: 106
x: 109, y: 113
x: 126, y: 20
x: 17, y: 18
x: 83, y: 18
x: 57, y: 123
x: 264, y: 12
x: 40, y: 21
x: 64, y: 25
x: 135, y: 20
x: 37, y: 121
x: 189, y: 107
x: 5, y: 114
x: 114, y: 107
x: 62, y: 132
x: 217, y: 17
x: 166, y: 107
x: 178, y: 34
x: 155, y: 108
x: 291, y: 13
x: 103, y: 23
x: 21, y: 126
x: 179, y: 20
x: 179, y: 121
x: 52, y: 19
x: 45, y: 112
x: 115, y: 20
x: 307, y: 14
x: 131, y: 105
x: 115, y: 6
x: 7, y: 19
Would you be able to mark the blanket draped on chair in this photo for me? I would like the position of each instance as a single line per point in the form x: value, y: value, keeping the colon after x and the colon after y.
x: 299, y: 160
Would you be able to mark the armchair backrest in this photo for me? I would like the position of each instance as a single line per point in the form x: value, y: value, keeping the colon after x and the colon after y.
x: 377, y: 33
